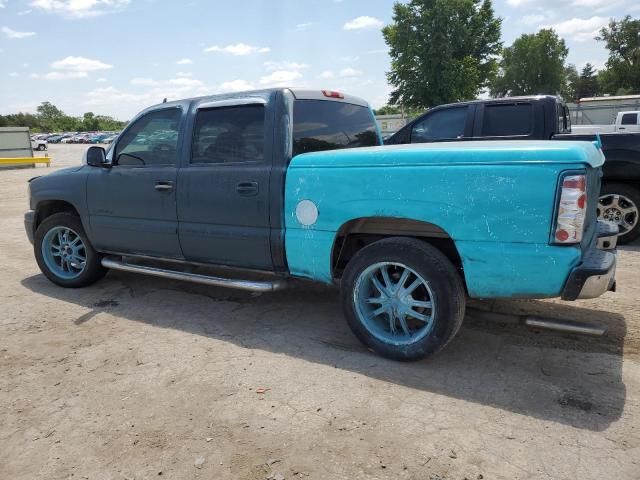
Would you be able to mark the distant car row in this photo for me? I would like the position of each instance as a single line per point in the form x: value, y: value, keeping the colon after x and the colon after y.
x: 74, y: 137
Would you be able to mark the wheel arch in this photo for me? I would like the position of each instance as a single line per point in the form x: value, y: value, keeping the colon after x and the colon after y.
x: 46, y: 208
x: 357, y: 233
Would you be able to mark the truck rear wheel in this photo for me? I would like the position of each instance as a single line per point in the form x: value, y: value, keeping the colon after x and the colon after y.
x: 64, y: 253
x: 620, y: 204
x: 403, y: 298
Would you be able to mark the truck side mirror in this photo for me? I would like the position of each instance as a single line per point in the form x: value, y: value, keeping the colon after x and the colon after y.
x: 96, y: 157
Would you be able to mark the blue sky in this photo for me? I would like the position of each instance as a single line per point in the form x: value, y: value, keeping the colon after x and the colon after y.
x: 115, y: 57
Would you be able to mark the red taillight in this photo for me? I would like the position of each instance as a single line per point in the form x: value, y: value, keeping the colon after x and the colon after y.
x: 571, y: 210
x: 331, y: 94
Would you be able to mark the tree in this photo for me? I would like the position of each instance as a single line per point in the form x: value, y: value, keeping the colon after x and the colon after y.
x: 49, y: 115
x: 622, y: 39
x: 89, y: 122
x: 388, y: 110
x: 588, y: 83
x: 441, y: 50
x: 571, y: 83
x: 51, y: 119
x: 534, y: 64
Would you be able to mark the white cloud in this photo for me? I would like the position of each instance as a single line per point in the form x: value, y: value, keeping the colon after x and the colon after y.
x: 363, y: 22
x: 184, y: 74
x: 280, y: 77
x: 519, y: 3
x: 24, y: 12
x: 580, y: 29
x: 533, y: 19
x: 10, y: 33
x: 146, y: 82
x: 273, y: 66
x: 184, y: 61
x: 60, y: 75
x: 303, y: 26
x: 235, y: 86
x: 237, y: 49
x: 101, y: 80
x: 79, y: 64
x: 376, y: 51
x: 13, y: 74
x: 327, y: 74
x: 2, y: 3
x: 350, y: 72
x: 79, y: 8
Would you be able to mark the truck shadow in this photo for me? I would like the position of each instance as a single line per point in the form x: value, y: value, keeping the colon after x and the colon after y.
x: 561, y: 378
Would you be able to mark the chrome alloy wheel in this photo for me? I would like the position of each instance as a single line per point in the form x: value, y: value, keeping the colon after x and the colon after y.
x: 394, y: 303
x: 620, y: 210
x: 64, y: 253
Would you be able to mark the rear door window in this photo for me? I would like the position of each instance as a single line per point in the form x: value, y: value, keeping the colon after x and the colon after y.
x: 445, y: 124
x: 507, y: 119
x: 629, y: 119
x: 229, y: 135
x: 327, y: 125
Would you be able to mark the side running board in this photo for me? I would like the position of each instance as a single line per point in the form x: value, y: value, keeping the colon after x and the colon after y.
x: 251, y: 285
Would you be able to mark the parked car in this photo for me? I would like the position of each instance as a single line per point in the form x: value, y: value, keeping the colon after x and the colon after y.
x: 626, y: 122
x: 274, y: 181
x: 38, y: 144
x: 539, y: 117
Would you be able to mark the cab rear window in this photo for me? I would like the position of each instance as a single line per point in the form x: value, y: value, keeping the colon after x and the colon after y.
x: 326, y: 125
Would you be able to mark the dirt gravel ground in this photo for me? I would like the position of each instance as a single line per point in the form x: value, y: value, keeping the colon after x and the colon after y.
x: 139, y: 378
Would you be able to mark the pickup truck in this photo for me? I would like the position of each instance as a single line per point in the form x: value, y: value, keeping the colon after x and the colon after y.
x: 626, y: 122
x: 541, y: 117
x: 288, y: 183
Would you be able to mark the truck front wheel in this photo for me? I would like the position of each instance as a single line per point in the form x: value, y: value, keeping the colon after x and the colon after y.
x: 620, y: 204
x: 403, y: 298
x: 64, y: 254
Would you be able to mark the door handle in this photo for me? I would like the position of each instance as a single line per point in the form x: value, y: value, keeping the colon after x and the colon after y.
x: 164, y: 186
x: 247, y: 189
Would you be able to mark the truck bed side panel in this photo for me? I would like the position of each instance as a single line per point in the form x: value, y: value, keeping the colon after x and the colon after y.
x: 498, y: 215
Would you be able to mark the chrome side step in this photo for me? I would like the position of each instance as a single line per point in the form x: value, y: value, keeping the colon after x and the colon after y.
x: 251, y: 285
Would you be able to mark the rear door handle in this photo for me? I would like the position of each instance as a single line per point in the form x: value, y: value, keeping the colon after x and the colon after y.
x: 247, y: 189
x: 164, y: 186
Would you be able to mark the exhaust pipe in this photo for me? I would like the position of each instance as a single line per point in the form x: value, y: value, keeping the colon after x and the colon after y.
x: 558, y: 325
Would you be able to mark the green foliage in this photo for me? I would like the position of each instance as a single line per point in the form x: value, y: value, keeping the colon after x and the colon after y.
x: 588, y: 84
x: 397, y: 110
x: 622, y: 73
x: 571, y: 84
x: 441, y: 50
x: 534, y: 64
x: 51, y: 119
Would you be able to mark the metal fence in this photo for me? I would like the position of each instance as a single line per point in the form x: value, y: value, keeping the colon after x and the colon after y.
x: 594, y: 114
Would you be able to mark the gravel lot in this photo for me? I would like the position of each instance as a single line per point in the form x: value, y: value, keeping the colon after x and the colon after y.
x: 138, y: 377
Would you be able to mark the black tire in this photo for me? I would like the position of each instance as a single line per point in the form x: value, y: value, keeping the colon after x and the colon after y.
x: 436, y: 269
x: 633, y: 196
x: 93, y: 270
x: 42, y: 147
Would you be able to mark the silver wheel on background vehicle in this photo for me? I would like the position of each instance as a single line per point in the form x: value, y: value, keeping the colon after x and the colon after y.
x: 394, y: 303
x: 620, y: 210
